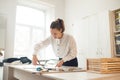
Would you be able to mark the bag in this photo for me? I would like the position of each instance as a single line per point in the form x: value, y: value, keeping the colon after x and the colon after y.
x: 25, y: 60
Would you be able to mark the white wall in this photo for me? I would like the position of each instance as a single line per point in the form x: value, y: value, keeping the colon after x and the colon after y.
x: 75, y: 11
x: 2, y: 31
x: 59, y: 9
x: 8, y: 8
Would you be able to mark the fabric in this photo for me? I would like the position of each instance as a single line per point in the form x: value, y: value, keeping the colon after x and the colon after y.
x: 21, y: 59
x: 64, y: 48
x: 10, y: 60
x: 1, y: 64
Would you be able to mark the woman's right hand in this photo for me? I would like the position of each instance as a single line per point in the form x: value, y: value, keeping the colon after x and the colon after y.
x: 34, y: 60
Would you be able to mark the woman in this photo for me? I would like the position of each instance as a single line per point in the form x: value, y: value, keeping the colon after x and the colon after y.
x: 63, y: 45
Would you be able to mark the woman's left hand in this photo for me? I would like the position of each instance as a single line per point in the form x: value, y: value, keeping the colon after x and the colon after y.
x: 59, y: 64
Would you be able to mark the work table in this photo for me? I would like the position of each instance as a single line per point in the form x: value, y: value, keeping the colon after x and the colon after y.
x: 21, y: 72
x: 84, y: 76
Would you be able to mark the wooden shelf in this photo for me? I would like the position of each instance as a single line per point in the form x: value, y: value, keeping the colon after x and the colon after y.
x: 115, y: 32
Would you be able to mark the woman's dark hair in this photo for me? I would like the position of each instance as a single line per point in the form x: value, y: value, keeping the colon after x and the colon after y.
x: 58, y: 24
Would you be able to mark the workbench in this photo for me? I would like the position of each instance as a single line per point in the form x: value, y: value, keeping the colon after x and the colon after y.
x: 26, y: 72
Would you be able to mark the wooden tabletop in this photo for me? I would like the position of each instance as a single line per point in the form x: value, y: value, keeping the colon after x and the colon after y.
x: 83, y: 75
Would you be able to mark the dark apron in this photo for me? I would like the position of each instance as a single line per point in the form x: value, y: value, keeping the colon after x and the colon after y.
x: 73, y: 62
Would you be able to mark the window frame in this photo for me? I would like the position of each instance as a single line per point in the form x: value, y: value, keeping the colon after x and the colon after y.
x: 49, y: 16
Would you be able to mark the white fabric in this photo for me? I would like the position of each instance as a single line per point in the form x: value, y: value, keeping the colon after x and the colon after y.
x: 64, y: 48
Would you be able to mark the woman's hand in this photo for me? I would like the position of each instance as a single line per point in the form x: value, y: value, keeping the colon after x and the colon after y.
x: 34, y: 60
x: 60, y: 63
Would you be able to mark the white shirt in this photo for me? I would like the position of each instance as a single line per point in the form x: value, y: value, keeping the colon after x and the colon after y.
x: 64, y: 48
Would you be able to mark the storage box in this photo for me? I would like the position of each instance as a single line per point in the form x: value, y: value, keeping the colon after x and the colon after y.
x: 104, y: 65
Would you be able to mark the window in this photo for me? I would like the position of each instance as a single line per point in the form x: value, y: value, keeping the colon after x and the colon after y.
x: 30, y: 29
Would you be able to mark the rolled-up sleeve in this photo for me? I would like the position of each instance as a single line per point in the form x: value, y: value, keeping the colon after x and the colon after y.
x: 41, y: 45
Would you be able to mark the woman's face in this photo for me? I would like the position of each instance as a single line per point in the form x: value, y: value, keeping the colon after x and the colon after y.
x: 56, y: 33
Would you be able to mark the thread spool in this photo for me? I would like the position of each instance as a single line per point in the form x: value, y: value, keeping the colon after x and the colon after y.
x: 38, y: 68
